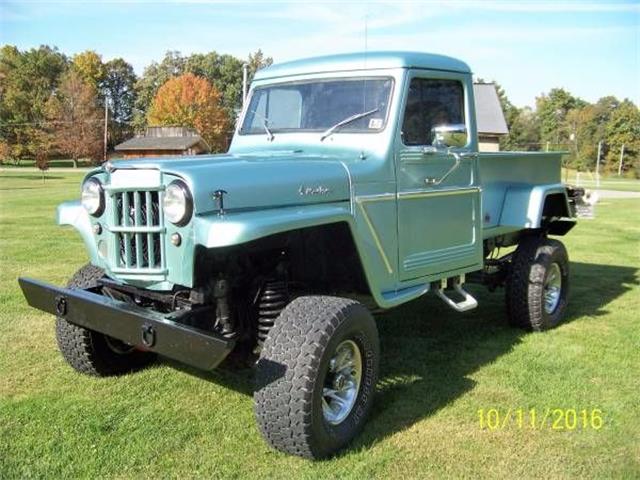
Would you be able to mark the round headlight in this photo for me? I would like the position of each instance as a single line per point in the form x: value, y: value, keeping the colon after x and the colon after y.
x: 93, y: 197
x: 177, y: 203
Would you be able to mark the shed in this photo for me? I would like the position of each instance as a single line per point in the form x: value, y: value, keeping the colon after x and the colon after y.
x: 164, y: 141
x: 489, y: 117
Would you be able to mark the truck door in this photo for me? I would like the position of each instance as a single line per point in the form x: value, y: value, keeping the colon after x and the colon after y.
x: 438, y: 192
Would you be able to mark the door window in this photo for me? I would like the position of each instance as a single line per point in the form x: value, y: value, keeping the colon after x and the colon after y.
x: 431, y: 103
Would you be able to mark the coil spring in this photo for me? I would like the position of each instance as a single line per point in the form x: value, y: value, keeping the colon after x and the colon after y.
x: 273, y: 298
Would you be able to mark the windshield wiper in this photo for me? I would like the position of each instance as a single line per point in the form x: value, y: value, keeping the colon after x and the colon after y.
x: 265, y: 125
x: 346, y: 121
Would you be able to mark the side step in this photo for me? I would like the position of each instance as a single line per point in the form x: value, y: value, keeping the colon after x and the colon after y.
x: 468, y: 302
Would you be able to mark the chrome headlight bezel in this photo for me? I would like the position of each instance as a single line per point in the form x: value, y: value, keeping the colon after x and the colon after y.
x: 177, y: 203
x: 92, y: 197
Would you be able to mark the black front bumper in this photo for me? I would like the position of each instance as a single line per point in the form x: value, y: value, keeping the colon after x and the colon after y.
x: 134, y: 325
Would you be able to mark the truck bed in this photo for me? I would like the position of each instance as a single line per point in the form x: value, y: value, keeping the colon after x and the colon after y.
x: 520, y: 178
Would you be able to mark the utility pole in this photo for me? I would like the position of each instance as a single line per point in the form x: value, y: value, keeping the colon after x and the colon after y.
x: 106, y: 120
x: 245, y: 67
x: 598, y: 164
x: 621, y: 157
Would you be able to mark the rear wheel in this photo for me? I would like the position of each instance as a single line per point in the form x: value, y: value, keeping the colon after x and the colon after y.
x: 91, y: 352
x: 538, y: 284
x: 316, y: 376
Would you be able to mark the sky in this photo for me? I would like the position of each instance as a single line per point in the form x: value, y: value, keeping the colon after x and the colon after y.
x: 590, y: 48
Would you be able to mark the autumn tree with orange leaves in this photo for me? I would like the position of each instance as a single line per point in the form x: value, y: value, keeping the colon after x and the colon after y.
x: 191, y: 101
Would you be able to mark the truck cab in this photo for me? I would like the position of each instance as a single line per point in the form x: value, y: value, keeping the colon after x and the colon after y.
x: 353, y: 183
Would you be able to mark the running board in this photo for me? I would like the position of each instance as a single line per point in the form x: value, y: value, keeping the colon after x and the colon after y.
x: 469, y: 303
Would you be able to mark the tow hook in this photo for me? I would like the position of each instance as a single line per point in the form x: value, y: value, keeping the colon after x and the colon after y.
x: 61, y: 306
x: 148, y: 335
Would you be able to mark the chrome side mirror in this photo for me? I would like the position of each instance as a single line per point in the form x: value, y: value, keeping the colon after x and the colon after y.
x: 445, y: 136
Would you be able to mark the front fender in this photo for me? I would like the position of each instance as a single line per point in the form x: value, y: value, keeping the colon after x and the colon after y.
x: 72, y: 213
x: 215, y: 231
x: 524, y: 204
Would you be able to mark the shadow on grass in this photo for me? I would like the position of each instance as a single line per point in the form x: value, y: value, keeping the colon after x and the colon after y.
x: 428, y: 352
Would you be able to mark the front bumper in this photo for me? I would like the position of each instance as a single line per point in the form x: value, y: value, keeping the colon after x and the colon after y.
x: 131, y: 324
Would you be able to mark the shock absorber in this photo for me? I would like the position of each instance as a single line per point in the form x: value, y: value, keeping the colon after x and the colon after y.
x: 273, y: 297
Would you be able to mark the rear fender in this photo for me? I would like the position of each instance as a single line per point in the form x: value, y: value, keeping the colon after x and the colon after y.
x: 525, y: 207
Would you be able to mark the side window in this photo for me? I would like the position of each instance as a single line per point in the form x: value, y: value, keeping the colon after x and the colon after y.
x: 431, y: 103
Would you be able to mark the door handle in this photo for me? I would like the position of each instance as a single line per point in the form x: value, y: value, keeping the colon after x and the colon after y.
x: 433, y: 181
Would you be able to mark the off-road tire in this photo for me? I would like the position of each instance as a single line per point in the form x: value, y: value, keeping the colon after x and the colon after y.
x: 525, y: 283
x: 87, y: 351
x: 291, y: 373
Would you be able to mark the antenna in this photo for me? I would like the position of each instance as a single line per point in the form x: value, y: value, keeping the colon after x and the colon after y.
x: 366, y: 33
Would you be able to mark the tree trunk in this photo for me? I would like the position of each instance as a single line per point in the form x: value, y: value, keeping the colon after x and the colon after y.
x: 75, y: 162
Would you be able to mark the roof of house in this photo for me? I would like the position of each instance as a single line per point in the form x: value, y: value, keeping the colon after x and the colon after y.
x: 363, y: 61
x: 161, y: 143
x: 489, y: 114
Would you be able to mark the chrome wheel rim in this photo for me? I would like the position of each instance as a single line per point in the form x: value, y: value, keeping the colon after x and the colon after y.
x: 552, y: 288
x: 342, y: 382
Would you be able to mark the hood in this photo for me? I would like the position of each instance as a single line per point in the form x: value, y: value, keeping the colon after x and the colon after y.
x: 254, y: 182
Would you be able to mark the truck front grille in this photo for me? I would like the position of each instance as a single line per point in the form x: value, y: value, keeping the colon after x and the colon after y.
x: 138, y: 227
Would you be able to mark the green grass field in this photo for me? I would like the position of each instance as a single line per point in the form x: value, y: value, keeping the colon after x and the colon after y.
x: 438, y: 369
x: 607, y: 182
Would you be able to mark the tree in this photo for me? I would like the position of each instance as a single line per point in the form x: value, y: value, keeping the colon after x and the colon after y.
x: 584, y: 137
x: 223, y: 71
x: 524, y: 131
x: 28, y: 79
x: 191, y: 101
x: 89, y: 66
x: 552, y: 110
x: 5, y: 151
x: 74, y: 111
x: 118, y: 85
x: 153, y: 77
x: 257, y: 61
x: 623, y: 128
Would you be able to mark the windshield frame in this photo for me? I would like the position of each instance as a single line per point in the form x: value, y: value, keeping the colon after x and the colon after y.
x: 246, y: 112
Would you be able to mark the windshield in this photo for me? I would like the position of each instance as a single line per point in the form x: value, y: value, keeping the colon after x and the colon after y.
x: 318, y: 105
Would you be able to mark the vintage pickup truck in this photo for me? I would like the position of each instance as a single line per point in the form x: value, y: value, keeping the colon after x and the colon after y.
x: 353, y: 183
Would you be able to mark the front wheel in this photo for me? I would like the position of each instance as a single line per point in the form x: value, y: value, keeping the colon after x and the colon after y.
x: 91, y: 352
x: 316, y: 376
x: 538, y: 284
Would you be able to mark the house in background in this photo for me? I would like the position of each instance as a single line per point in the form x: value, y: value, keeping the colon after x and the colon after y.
x: 164, y: 141
x: 489, y: 117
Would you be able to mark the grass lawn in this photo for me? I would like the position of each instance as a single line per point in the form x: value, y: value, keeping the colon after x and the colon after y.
x: 55, y: 163
x: 438, y: 369
x: 611, y: 182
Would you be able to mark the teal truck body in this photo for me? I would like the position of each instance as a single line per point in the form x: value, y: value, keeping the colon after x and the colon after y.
x: 383, y: 207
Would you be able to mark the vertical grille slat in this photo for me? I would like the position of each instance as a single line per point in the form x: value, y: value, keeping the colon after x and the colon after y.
x: 139, y: 248
x: 137, y: 217
x: 150, y: 239
x: 161, y: 224
x: 126, y: 236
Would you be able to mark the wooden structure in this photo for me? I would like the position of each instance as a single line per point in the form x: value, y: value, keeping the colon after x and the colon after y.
x: 164, y: 141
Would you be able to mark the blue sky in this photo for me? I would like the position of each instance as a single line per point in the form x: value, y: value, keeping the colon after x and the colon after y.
x: 590, y: 48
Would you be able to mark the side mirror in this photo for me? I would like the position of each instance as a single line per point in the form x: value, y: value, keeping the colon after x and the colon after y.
x: 454, y: 135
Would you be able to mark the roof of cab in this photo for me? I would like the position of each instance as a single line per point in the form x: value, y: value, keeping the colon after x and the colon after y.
x: 363, y: 61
